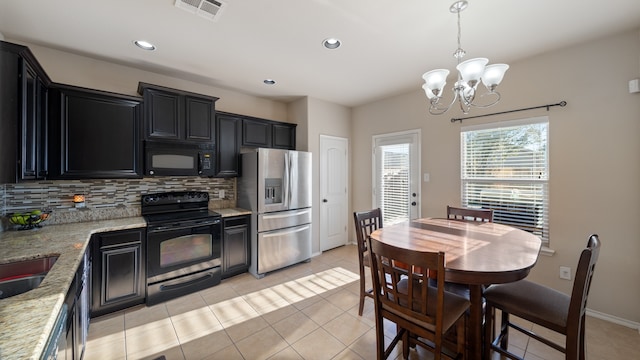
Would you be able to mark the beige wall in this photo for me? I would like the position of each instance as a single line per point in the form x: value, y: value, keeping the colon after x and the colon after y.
x: 324, y: 118
x: 71, y: 69
x: 594, y: 158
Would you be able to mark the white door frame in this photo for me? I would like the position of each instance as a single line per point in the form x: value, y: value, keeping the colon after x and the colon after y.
x: 340, y: 232
x: 409, y: 136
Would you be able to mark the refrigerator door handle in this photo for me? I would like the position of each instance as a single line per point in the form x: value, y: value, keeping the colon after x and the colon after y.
x: 285, y: 215
x: 286, y: 183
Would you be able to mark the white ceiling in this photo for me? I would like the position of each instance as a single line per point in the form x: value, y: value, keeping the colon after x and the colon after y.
x: 387, y: 45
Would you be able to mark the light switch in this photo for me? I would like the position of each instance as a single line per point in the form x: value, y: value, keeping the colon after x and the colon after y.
x: 426, y: 177
x: 634, y: 86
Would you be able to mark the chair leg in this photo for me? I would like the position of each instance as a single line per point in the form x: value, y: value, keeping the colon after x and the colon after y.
x: 405, y: 344
x: 462, y: 337
x: 583, y: 346
x: 362, y: 291
x: 504, y: 330
x: 379, y: 336
x: 489, y: 330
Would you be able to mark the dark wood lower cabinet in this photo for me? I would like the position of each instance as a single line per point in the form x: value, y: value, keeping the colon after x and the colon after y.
x: 119, y: 276
x: 235, y: 245
x: 77, y: 325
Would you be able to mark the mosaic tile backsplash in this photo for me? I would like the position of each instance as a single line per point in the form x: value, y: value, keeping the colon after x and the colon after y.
x: 104, y: 198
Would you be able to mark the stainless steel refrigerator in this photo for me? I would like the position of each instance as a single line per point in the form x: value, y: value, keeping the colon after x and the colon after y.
x: 276, y: 186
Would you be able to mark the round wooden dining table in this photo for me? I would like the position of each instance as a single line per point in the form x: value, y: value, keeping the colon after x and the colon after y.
x: 476, y: 254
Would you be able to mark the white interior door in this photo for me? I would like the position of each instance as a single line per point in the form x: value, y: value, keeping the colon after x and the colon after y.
x: 396, y: 176
x: 333, y: 192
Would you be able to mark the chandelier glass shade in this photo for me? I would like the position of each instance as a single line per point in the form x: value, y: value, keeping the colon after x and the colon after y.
x: 470, y: 73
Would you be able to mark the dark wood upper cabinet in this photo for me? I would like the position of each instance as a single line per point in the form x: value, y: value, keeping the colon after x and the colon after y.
x: 172, y: 114
x: 23, y: 115
x: 228, y: 129
x: 284, y: 136
x: 266, y: 133
x: 256, y: 133
x: 94, y: 134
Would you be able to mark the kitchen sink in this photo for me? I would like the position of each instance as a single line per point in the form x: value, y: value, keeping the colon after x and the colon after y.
x: 21, y: 276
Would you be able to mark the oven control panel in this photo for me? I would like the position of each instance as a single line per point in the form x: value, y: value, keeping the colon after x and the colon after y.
x: 175, y: 197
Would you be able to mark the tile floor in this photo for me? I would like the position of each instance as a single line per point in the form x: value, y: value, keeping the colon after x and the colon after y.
x: 308, y: 311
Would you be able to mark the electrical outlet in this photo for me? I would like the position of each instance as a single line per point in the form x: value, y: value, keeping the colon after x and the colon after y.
x: 565, y: 272
x: 221, y: 194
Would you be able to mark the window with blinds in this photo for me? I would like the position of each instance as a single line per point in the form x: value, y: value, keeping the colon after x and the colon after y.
x: 394, y: 183
x: 505, y: 167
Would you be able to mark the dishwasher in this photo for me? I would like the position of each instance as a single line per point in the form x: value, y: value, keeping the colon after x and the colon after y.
x: 57, y: 344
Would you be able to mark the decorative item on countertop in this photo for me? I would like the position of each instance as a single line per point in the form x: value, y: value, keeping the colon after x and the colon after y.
x: 78, y: 200
x: 29, y: 220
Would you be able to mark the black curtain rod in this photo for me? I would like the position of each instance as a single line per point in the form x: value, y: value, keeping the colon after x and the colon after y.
x: 561, y: 103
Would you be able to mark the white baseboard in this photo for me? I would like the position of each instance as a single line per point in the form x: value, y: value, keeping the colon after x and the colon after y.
x: 614, y: 319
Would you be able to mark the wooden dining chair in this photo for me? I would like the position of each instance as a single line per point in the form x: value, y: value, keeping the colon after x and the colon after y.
x: 423, y: 314
x: 466, y: 214
x: 458, y: 213
x: 543, y: 306
x: 366, y: 222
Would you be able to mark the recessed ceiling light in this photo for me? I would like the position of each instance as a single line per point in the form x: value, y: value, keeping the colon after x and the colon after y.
x: 269, y: 81
x: 145, y: 45
x: 331, y: 43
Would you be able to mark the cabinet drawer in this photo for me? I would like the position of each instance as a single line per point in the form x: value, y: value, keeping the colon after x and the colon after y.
x: 119, y: 238
x: 236, y: 221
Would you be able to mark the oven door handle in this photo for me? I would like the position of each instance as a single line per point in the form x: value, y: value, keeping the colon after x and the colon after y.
x: 180, y: 283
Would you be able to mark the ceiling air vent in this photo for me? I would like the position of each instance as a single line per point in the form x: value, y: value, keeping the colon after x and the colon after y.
x: 208, y: 9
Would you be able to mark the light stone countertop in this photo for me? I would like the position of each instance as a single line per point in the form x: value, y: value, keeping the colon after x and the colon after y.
x: 230, y: 212
x: 26, y: 320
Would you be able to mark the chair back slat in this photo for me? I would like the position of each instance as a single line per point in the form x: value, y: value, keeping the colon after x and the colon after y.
x: 404, y: 290
x: 582, y: 281
x: 366, y: 222
x: 481, y: 215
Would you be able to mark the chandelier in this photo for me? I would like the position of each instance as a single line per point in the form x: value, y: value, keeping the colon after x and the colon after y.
x: 470, y: 73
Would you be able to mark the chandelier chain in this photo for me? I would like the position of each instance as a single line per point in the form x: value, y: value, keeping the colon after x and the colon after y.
x: 459, y: 53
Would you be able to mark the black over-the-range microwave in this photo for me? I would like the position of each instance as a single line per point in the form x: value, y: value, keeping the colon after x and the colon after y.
x: 169, y: 158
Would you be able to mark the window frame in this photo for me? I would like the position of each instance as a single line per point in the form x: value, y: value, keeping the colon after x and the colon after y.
x: 511, y: 214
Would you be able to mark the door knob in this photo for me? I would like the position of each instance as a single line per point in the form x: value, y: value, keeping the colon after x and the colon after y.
x: 324, y: 200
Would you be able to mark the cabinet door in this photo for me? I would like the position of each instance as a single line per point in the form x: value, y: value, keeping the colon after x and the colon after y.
x: 163, y: 114
x: 22, y: 119
x: 96, y: 136
x: 284, y: 136
x: 118, y: 277
x: 33, y: 137
x: 199, y: 118
x: 28, y: 136
x: 235, y: 246
x: 121, y: 273
x: 9, y: 115
x: 228, y: 144
x: 256, y: 133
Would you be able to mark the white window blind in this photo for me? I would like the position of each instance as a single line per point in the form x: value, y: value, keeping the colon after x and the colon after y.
x: 394, y: 183
x: 505, y: 167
